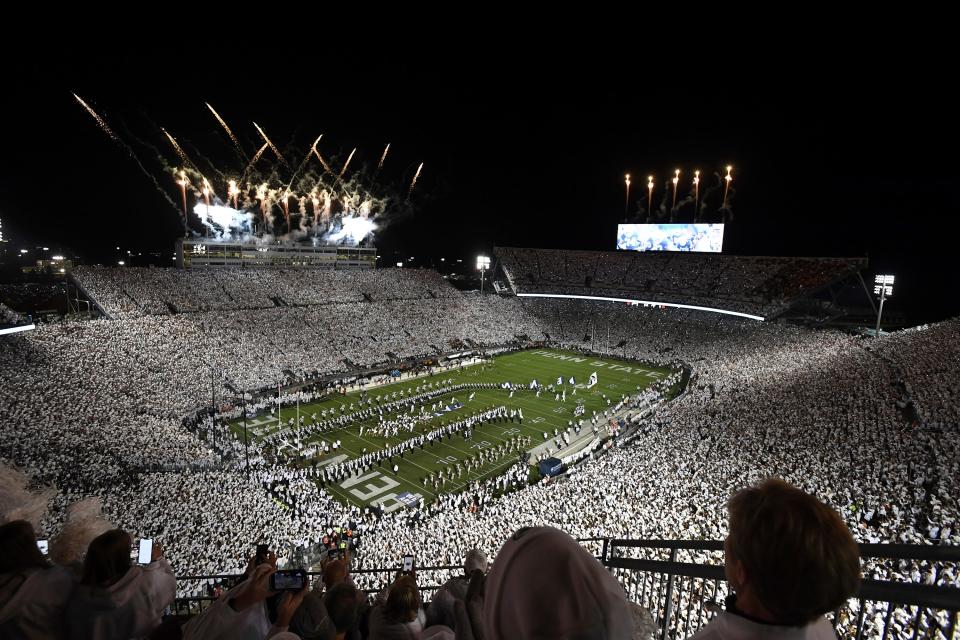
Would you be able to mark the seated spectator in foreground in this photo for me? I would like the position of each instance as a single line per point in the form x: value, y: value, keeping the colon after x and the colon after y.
x: 402, y: 616
x: 115, y: 599
x: 545, y: 585
x: 789, y: 559
x: 33, y: 593
x: 342, y: 605
x: 241, y: 614
x: 314, y: 620
x: 441, y: 607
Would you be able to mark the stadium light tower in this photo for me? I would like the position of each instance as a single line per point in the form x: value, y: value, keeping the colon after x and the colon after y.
x: 882, y: 288
x: 483, y: 263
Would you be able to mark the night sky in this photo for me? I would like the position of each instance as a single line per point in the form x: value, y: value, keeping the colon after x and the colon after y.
x: 851, y: 156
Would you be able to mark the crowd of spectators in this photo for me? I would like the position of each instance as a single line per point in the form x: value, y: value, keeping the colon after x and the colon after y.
x: 95, y: 408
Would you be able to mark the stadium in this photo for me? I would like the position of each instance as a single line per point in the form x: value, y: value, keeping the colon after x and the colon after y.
x: 556, y: 444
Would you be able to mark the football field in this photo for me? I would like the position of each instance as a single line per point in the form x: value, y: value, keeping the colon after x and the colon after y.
x: 379, y: 485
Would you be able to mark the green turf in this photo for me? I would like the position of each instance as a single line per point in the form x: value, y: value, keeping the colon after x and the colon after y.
x: 615, y: 377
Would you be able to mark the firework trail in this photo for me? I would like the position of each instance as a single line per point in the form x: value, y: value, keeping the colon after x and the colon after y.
x: 325, y: 213
x: 256, y: 157
x: 100, y: 121
x: 180, y: 152
x: 236, y: 143
x: 305, y: 158
x: 415, y: 176
x: 726, y: 189
x: 383, y: 157
x: 322, y: 161
x: 273, y: 147
x: 123, y: 145
x: 342, y: 209
x: 347, y: 163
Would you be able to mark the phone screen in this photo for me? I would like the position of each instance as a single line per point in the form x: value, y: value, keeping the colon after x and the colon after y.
x: 44, y: 546
x: 146, y: 551
x: 287, y: 580
x: 407, y: 564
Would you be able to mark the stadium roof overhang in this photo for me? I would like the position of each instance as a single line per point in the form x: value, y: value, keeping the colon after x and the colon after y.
x: 654, y: 303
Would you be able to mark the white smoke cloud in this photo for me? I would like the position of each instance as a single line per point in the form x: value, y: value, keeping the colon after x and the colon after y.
x: 352, y: 230
x: 224, y: 222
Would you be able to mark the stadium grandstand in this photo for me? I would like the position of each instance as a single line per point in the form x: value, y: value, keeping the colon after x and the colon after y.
x: 386, y: 440
x: 758, y: 286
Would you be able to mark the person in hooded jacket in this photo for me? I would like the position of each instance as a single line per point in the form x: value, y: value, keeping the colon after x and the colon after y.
x: 33, y: 592
x: 115, y: 599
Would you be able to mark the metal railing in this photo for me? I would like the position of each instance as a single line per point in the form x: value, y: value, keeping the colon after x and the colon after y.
x: 684, y: 590
x: 682, y: 584
x: 370, y: 581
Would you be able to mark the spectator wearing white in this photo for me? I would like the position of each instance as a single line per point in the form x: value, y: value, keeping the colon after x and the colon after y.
x: 545, y: 585
x: 321, y: 617
x: 115, y: 599
x: 241, y: 613
x: 33, y: 593
x: 441, y: 610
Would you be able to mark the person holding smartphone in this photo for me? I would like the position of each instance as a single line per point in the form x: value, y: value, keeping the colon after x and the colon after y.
x: 145, y: 551
x: 262, y: 555
x: 242, y: 611
x: 312, y: 619
x: 33, y: 592
x: 115, y: 598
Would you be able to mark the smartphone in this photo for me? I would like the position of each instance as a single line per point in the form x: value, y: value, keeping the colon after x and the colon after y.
x: 334, y: 554
x: 407, y: 564
x: 288, y: 580
x: 44, y: 546
x: 145, y: 556
x: 262, y: 550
